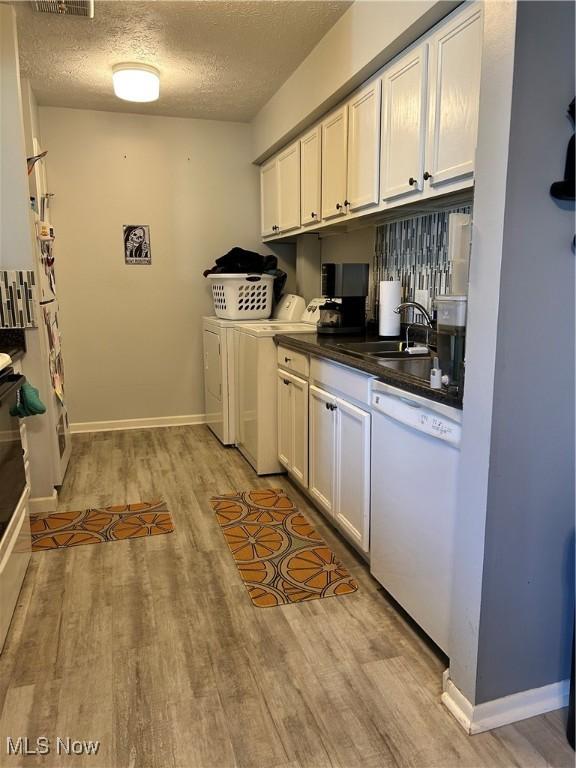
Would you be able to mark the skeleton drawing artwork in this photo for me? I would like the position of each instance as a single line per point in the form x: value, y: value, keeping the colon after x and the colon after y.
x: 137, y: 244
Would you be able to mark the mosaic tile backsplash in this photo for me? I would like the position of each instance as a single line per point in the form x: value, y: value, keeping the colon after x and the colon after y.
x: 17, y: 307
x: 415, y: 251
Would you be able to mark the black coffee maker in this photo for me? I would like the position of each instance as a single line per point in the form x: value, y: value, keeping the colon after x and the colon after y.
x: 345, y: 287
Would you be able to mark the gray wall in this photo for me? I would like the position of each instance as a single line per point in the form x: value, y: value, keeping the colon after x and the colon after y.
x: 481, y: 337
x: 528, y: 579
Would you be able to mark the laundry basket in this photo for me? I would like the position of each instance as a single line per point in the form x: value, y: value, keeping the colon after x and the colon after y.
x: 242, y: 296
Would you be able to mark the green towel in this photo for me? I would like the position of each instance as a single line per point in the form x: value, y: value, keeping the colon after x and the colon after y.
x: 28, y: 402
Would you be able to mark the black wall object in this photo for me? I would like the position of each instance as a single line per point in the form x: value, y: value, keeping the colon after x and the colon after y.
x: 564, y: 190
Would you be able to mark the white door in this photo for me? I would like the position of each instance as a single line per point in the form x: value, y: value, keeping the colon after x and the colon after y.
x: 454, y: 94
x: 285, y: 448
x: 299, y: 405
x: 322, y: 447
x: 269, y: 198
x: 364, y: 148
x: 404, y: 125
x: 352, y: 497
x: 289, y: 188
x: 310, y: 176
x: 213, y: 382
x: 334, y: 163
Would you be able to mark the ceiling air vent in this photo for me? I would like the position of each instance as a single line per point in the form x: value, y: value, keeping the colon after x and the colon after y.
x: 65, y: 7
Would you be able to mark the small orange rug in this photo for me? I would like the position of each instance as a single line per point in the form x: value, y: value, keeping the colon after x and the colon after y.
x: 281, y: 558
x: 92, y: 526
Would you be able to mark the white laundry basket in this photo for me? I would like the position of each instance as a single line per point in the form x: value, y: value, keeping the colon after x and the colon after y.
x: 242, y: 296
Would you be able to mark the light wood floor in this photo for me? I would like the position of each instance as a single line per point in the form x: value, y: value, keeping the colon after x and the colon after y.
x: 153, y: 647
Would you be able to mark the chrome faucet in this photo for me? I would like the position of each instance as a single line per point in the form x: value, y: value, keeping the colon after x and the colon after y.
x: 425, y: 314
x: 423, y: 311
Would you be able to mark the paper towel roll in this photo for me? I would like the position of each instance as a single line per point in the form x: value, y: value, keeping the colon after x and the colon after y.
x: 390, y: 296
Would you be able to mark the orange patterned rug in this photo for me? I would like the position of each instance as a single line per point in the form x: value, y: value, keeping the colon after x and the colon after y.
x: 92, y: 526
x: 281, y: 558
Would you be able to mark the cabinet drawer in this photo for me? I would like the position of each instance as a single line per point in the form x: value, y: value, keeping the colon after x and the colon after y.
x: 293, y: 361
x: 342, y: 379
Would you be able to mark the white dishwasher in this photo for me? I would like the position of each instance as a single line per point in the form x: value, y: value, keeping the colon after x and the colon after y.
x: 415, y: 456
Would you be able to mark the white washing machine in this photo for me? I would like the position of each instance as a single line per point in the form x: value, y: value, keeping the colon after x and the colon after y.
x: 256, y: 388
x: 219, y: 362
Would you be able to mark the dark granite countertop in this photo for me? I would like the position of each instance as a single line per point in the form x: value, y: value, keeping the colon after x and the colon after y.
x: 411, y: 374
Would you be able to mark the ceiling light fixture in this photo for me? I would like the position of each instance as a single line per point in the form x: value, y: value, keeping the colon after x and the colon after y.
x: 136, y: 82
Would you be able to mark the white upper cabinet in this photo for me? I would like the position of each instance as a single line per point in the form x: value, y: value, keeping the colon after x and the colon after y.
x: 289, y: 188
x: 408, y: 134
x: 334, y: 163
x: 310, y: 176
x: 404, y: 125
x: 364, y: 148
x: 455, y: 58
x: 269, y: 198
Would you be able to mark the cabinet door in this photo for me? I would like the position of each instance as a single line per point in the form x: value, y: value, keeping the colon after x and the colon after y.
x: 299, y: 423
x: 404, y: 125
x: 455, y: 57
x: 322, y: 447
x: 269, y: 198
x: 334, y: 163
x: 364, y: 148
x: 352, y: 496
x: 310, y: 175
x: 289, y: 188
x: 285, y: 450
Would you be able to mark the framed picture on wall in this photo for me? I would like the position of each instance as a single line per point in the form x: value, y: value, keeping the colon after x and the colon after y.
x: 137, y: 244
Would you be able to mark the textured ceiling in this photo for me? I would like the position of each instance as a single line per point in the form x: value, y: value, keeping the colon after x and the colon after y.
x: 219, y: 60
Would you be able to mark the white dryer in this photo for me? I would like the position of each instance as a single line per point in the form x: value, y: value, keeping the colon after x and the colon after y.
x: 220, y: 358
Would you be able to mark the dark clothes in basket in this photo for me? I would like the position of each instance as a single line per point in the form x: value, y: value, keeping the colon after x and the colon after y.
x: 241, y: 261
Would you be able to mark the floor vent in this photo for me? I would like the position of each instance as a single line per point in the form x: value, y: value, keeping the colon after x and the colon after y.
x: 66, y: 7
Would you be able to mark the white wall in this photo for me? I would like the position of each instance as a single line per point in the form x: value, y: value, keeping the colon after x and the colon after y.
x: 369, y: 34
x: 355, y: 246
x: 132, y: 334
x: 15, y: 243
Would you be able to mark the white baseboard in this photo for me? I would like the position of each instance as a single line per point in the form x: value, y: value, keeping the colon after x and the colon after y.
x: 509, y: 709
x: 40, y: 504
x: 159, y: 421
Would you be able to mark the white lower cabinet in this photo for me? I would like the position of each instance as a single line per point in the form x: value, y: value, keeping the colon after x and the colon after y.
x: 352, y: 496
x: 293, y: 425
x: 339, y: 457
x: 322, y: 453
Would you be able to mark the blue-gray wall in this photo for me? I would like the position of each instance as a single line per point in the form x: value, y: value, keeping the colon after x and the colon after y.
x: 526, y: 611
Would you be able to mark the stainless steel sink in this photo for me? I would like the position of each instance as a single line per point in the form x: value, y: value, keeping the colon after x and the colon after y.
x: 386, y: 350
x: 370, y: 347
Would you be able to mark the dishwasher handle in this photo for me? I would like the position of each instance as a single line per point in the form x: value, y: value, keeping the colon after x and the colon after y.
x: 416, y: 416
